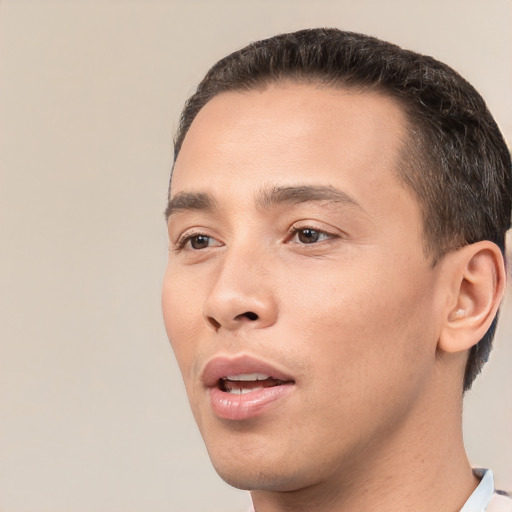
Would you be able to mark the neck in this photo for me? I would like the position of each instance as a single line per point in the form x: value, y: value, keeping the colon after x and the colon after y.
x: 422, y: 466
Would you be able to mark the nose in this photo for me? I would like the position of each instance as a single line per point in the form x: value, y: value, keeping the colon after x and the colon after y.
x: 242, y: 294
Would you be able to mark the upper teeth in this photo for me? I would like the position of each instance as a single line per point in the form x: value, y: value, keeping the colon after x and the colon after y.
x: 248, y: 377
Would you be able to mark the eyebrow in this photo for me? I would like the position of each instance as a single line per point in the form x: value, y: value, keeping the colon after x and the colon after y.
x: 267, y: 198
x: 305, y: 194
x: 189, y: 201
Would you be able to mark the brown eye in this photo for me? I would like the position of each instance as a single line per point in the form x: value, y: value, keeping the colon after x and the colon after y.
x: 196, y: 242
x: 308, y: 235
x: 199, y: 241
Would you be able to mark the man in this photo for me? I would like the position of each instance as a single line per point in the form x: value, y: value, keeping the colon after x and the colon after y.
x: 337, y: 217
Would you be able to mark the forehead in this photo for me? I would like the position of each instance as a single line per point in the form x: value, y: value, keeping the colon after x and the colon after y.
x: 288, y: 134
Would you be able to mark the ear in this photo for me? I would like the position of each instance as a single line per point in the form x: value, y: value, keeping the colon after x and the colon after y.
x: 477, y: 286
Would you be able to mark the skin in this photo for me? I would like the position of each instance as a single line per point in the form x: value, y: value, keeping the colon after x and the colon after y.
x: 356, y: 317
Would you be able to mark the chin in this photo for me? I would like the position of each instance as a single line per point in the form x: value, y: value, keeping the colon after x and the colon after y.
x: 259, y: 478
x: 246, y: 456
x: 252, y: 467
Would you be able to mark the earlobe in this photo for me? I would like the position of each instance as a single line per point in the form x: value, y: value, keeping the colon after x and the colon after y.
x: 477, y: 273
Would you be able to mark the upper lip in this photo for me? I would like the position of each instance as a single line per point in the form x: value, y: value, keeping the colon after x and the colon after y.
x: 222, y: 366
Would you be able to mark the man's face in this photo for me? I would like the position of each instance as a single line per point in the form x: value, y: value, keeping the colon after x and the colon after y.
x: 296, y: 268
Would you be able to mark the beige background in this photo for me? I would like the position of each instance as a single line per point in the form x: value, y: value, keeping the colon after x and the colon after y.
x: 93, y: 416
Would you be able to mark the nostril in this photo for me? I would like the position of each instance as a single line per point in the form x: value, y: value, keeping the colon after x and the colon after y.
x: 213, y: 322
x: 248, y: 314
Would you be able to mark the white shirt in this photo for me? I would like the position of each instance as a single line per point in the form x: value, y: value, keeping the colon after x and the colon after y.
x: 485, y: 498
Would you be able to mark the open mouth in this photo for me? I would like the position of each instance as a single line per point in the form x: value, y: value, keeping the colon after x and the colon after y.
x: 243, y: 387
x: 247, y: 383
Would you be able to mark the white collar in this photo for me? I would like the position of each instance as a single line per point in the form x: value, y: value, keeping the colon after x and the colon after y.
x: 482, y: 495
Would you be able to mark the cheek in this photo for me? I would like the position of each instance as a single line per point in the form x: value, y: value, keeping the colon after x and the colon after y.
x: 182, y: 314
x: 363, y: 327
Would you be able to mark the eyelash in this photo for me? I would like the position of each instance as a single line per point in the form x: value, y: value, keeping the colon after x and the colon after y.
x: 293, y: 232
x: 184, y: 239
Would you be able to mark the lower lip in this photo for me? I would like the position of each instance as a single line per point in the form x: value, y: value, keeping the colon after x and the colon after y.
x: 230, y: 406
